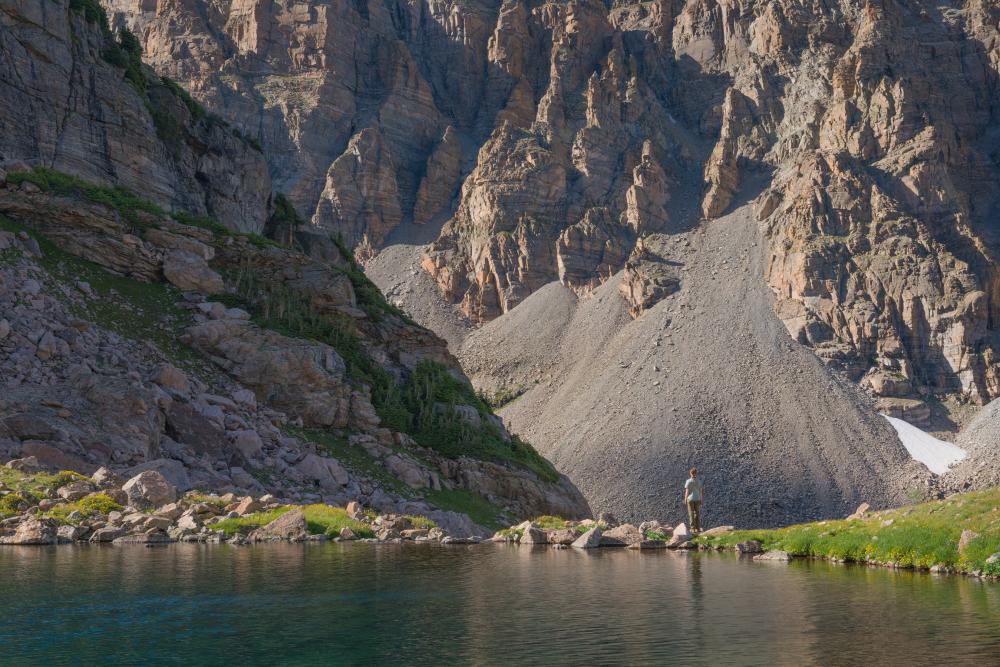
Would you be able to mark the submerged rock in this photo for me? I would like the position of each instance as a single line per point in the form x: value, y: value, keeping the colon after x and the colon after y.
x: 774, y: 555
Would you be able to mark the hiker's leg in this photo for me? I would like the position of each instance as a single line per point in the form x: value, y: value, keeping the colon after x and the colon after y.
x: 692, y: 513
x: 696, y: 516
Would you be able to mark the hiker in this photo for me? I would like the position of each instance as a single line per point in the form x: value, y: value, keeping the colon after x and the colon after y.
x: 693, y: 497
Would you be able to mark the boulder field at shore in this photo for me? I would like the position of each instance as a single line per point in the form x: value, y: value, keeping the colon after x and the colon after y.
x: 40, y: 508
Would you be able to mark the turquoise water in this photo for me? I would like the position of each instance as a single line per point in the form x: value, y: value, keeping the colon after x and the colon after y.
x: 356, y: 604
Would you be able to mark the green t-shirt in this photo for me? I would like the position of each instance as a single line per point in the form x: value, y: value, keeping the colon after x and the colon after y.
x: 693, y: 487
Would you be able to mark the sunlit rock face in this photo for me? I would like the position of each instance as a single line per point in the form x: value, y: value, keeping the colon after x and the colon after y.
x: 546, y: 139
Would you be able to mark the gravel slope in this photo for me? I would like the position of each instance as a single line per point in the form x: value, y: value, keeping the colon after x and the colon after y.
x: 708, y: 377
x: 981, y: 440
x: 396, y: 270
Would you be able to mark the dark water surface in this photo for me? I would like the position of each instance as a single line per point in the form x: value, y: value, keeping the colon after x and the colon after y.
x: 482, y: 605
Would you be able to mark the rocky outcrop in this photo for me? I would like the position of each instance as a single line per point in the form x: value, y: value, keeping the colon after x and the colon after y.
x: 360, y: 200
x: 441, y: 180
x: 89, y: 108
x: 647, y: 277
x: 305, y: 379
x: 125, y: 383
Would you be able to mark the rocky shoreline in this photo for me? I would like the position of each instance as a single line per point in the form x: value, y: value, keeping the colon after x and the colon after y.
x: 38, y: 507
x: 148, y: 509
x: 604, y: 531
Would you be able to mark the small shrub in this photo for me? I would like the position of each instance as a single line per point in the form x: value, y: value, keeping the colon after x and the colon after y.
x: 196, y: 110
x: 11, y: 504
x: 503, y: 395
x: 101, y: 503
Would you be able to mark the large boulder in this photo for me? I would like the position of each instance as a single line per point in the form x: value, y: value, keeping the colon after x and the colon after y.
x: 534, y: 535
x: 563, y: 536
x: 965, y: 539
x: 104, y: 478
x: 75, y: 490
x: 173, y: 471
x: 589, y: 540
x: 149, y: 489
x: 289, y: 526
x: 33, y: 531
x: 106, y: 534
x: 621, y: 536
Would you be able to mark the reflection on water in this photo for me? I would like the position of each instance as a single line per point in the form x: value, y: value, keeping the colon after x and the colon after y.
x: 484, y: 605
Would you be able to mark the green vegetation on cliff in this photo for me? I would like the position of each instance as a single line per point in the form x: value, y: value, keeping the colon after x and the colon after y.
x: 440, y: 411
x: 137, y: 211
x: 916, y: 536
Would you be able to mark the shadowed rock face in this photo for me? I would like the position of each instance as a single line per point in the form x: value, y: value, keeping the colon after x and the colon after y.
x: 64, y: 105
x: 549, y: 137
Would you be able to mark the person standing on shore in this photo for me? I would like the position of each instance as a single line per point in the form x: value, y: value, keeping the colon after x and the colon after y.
x: 692, y: 497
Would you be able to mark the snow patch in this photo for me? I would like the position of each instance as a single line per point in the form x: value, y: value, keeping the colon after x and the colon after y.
x: 937, y: 455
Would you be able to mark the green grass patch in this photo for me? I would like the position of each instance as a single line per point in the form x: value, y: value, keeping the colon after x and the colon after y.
x: 250, y: 522
x: 194, y: 498
x: 32, y: 487
x: 479, y: 509
x: 511, y: 533
x: 549, y: 522
x: 421, y: 522
x: 328, y: 520
x: 320, y: 520
x: 918, y: 536
x: 658, y: 535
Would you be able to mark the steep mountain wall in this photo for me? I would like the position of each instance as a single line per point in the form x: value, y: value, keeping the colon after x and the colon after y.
x: 549, y: 137
x: 75, y: 99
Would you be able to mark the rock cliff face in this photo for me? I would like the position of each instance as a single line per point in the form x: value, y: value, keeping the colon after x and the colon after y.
x: 74, y: 99
x: 553, y: 136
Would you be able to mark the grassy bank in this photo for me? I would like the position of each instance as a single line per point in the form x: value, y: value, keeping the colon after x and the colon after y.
x: 320, y: 520
x: 918, y: 536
